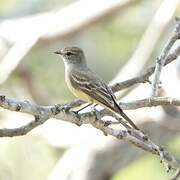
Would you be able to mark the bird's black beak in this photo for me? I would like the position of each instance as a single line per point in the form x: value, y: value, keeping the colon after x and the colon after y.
x: 58, y: 52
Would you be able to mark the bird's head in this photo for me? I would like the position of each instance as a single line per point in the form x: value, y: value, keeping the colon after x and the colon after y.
x: 72, y: 55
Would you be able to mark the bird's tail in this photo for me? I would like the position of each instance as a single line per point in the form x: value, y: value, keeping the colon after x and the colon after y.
x: 118, y: 110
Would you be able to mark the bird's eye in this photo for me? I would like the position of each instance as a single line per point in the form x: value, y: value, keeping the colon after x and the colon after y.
x: 68, y: 53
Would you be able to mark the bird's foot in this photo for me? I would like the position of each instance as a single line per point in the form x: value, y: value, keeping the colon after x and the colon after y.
x: 58, y: 108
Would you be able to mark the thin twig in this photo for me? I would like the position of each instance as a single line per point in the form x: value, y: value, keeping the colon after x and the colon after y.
x: 176, y: 175
x: 22, y: 130
x: 150, y: 102
x: 162, y: 58
x: 144, y: 77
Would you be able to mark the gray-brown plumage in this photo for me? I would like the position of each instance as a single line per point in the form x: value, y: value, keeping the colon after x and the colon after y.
x: 85, y: 84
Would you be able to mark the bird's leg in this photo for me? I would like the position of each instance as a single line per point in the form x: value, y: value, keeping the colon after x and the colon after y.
x: 124, y: 123
x: 89, y: 104
x: 93, y: 107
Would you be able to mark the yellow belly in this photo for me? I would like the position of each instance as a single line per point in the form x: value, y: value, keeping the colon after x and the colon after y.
x: 82, y: 96
x: 79, y: 94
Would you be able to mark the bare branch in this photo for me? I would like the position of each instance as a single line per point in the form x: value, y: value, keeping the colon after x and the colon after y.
x: 150, y: 102
x: 176, y: 175
x: 23, y: 130
x: 144, y: 77
x: 43, y: 113
x: 104, y: 161
x: 162, y: 58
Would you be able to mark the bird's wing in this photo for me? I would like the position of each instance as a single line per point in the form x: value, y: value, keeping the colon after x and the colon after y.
x: 93, y: 86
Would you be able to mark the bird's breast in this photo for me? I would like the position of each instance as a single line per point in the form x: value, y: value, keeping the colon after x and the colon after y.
x: 77, y: 92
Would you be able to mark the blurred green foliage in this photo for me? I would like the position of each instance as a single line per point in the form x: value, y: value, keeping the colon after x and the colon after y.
x: 28, y: 157
x: 148, y: 167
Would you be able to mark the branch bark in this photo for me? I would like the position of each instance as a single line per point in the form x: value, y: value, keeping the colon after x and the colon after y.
x: 162, y: 58
x: 144, y: 77
x: 43, y: 113
x: 103, y: 160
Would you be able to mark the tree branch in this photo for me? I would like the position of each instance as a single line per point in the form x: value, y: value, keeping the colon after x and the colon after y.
x: 162, y: 58
x: 150, y: 102
x: 144, y: 77
x: 43, y: 113
x: 176, y: 175
x: 105, y: 160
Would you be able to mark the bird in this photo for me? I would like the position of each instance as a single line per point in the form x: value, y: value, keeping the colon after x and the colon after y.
x: 87, y: 85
